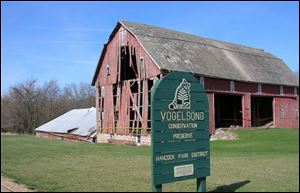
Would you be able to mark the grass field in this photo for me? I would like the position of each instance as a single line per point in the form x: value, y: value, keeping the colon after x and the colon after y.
x: 260, y: 160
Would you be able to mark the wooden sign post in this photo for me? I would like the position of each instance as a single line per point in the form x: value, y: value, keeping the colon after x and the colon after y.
x: 180, y: 131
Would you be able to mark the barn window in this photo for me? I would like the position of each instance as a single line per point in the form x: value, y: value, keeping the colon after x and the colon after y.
x: 295, y: 91
x: 107, y: 70
x: 122, y: 36
x: 202, y: 81
x: 259, y: 88
x: 282, y: 114
x: 232, y: 86
x: 142, y: 65
x: 281, y: 90
x: 102, y: 91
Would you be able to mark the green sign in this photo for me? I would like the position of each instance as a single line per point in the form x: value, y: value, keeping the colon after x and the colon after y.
x: 180, y: 131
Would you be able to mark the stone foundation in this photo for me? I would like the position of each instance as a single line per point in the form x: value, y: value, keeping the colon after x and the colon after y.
x: 123, y: 139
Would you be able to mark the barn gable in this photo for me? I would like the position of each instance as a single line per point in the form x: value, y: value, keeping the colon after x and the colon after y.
x: 112, y: 68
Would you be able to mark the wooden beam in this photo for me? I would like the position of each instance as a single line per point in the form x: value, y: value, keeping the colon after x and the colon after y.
x: 97, y: 106
x: 130, y: 59
x: 145, y: 104
x: 134, y: 104
x: 136, y: 65
x: 139, y: 99
x: 119, y: 60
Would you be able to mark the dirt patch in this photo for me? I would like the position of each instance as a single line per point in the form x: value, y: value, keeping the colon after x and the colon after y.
x: 8, y: 185
x: 223, y: 134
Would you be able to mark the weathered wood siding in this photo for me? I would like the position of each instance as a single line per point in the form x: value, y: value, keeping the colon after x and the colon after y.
x: 111, y: 58
x: 246, y: 110
x: 111, y: 64
x: 286, y: 112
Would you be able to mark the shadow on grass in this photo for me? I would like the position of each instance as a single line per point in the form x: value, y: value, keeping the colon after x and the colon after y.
x: 231, y: 187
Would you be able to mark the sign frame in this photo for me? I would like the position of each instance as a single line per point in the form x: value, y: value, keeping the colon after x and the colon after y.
x: 180, y: 147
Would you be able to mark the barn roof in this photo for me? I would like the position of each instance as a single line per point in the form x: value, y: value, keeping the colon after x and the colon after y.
x: 77, y: 121
x: 177, y: 51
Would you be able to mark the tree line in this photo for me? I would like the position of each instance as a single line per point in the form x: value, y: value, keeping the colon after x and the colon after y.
x: 28, y: 105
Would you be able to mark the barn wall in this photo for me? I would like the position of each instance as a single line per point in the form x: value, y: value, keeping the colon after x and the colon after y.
x: 97, y: 106
x: 271, y: 89
x: 110, y: 60
x: 217, y: 84
x: 288, y: 90
x: 116, y: 116
x: 223, y: 85
x: 245, y: 87
x: 286, y: 112
x: 210, y: 97
x: 246, y: 108
x: 287, y: 100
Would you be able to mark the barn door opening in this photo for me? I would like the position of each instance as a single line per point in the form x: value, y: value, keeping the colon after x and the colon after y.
x: 261, y: 110
x: 228, y: 110
x: 128, y: 63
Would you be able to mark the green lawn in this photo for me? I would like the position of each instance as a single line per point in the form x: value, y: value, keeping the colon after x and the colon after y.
x: 260, y: 160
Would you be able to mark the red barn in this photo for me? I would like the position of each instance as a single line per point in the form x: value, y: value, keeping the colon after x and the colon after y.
x: 246, y: 87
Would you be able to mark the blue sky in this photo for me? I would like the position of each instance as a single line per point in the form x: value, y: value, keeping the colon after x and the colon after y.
x: 63, y: 40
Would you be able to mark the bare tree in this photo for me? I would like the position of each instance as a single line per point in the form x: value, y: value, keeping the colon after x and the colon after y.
x: 28, y: 105
x: 53, y: 93
x: 27, y: 99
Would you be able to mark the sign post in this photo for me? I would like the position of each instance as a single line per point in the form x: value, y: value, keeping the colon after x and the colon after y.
x: 180, y: 131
